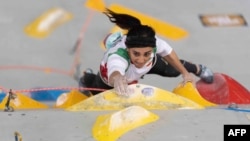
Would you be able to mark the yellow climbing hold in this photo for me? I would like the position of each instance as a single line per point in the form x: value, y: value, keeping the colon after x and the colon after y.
x: 98, y: 5
x: 68, y: 99
x: 111, y: 126
x: 146, y: 96
x: 47, y: 22
x: 190, y: 92
x: 22, y: 101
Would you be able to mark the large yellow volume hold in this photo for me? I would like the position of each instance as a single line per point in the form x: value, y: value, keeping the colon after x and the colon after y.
x: 110, y: 127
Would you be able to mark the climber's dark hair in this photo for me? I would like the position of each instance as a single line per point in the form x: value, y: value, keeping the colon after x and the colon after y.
x: 138, y: 35
x: 124, y: 21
